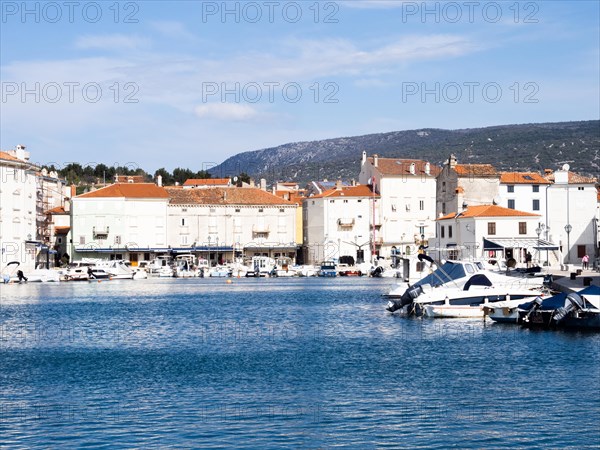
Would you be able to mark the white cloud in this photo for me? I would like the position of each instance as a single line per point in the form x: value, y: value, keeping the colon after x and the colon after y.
x: 113, y: 42
x: 226, y: 111
x: 172, y: 29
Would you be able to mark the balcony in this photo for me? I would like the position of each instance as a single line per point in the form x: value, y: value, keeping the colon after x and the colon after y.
x: 100, y: 233
x: 346, y: 222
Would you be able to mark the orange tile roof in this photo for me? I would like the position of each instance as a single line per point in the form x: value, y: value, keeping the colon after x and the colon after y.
x: 62, y: 230
x: 361, y: 190
x: 489, y: 211
x: 7, y: 157
x: 295, y: 196
x: 224, y: 196
x: 207, y: 182
x: 574, y: 178
x: 522, y: 178
x: 57, y: 210
x: 393, y: 166
x: 475, y: 170
x: 133, y: 178
x: 128, y: 190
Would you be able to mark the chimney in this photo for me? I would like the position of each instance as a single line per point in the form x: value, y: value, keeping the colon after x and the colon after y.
x: 338, y: 185
x: 364, y: 158
x: 375, y: 160
x: 452, y: 161
x: 427, y: 169
x: 252, y: 184
x: 159, y: 180
x: 263, y: 184
x: 412, y: 168
x: 353, y: 182
x: 548, y: 171
x: 21, y: 153
x: 73, y: 191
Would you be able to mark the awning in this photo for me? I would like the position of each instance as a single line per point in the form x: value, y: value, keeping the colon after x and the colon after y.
x: 517, y: 242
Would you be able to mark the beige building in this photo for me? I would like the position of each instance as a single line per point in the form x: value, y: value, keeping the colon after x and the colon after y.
x: 461, y: 185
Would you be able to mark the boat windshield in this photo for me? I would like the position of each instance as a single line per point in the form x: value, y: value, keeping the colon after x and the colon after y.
x: 448, y: 272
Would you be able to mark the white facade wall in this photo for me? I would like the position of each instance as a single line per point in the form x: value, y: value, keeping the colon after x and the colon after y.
x: 234, y: 226
x: 468, y: 232
x: 133, y: 223
x: 17, y: 214
x: 573, y: 204
x: 523, y: 196
x: 326, y: 233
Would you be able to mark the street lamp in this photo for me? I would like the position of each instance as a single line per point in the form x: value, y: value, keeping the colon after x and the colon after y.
x: 568, y: 229
x: 538, y: 231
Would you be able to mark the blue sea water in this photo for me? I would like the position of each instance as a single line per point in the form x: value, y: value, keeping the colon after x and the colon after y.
x: 275, y: 363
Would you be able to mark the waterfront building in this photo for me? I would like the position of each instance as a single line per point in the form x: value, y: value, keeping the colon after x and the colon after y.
x: 291, y: 192
x: 463, y: 185
x: 120, y: 221
x: 337, y: 223
x: 571, y: 219
x: 404, y: 217
x: 223, y: 224
x: 492, y: 232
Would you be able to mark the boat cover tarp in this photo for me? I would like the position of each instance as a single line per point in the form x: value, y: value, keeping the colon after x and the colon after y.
x: 558, y: 300
x: 447, y: 272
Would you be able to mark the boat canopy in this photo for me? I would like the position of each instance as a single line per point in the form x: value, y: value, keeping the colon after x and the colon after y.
x: 517, y: 242
x: 558, y: 300
x: 477, y: 280
x: 449, y: 271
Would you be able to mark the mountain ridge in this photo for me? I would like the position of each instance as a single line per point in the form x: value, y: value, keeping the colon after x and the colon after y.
x: 518, y: 147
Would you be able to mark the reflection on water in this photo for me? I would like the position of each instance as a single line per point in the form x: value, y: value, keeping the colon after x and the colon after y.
x: 279, y: 362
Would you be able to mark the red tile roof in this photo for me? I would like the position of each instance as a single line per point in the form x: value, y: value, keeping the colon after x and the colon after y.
x: 574, y: 178
x: 361, y: 190
x: 393, y: 166
x: 224, y: 196
x: 128, y: 190
x: 475, y: 170
x: 489, y: 211
x: 207, y: 182
x: 7, y: 157
x: 62, y: 230
x: 522, y: 178
x: 57, y: 210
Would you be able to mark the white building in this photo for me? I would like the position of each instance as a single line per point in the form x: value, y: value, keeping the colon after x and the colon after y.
x: 337, y: 223
x: 525, y: 191
x: 461, y: 185
x: 491, y: 232
x: 18, y: 209
x: 571, y: 214
x: 120, y: 221
x: 221, y: 224
x: 406, y: 213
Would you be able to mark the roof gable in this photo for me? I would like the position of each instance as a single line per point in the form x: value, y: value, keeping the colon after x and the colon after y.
x: 522, y: 178
x: 488, y: 211
x: 361, y: 190
x: 128, y: 190
x: 475, y: 170
x: 224, y: 196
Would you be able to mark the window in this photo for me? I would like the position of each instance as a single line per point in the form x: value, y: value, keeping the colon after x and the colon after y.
x: 536, y: 205
x: 183, y: 222
x: 261, y: 210
x: 422, y: 205
x: 443, y: 231
x: 59, y: 240
x: 212, y: 210
x: 183, y: 209
x: 443, y: 186
x: 491, y: 228
x: 580, y: 188
x: 117, y: 239
x: 421, y: 230
x: 184, y: 239
x: 522, y: 227
x: 511, y: 204
x: 282, y: 210
x: 81, y: 240
x: 510, y: 188
x: 359, y: 201
x: 449, y: 231
x: 345, y: 201
x: 581, y: 251
x: 443, y: 208
x: 393, y: 208
x: 536, y: 188
x: 331, y: 201
x: 237, y: 209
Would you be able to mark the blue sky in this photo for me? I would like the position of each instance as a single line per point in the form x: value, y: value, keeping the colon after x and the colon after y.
x: 168, y: 84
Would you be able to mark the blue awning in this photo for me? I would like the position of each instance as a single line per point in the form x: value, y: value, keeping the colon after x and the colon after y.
x: 517, y: 242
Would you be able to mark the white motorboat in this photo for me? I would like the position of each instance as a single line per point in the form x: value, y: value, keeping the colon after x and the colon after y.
x: 458, y: 289
x: 160, y: 267
x: 117, y: 269
x: 185, y: 266
x: 307, y: 271
x: 220, y: 272
x: 284, y: 267
x: 261, y: 266
x: 476, y: 309
x: 43, y: 276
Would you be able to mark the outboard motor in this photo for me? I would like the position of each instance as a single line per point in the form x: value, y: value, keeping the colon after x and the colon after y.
x: 21, y: 276
x: 535, y: 305
x: 411, y: 293
x: 575, y: 302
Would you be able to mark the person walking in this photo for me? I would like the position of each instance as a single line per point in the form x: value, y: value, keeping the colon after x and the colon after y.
x: 585, y: 261
x: 528, y: 259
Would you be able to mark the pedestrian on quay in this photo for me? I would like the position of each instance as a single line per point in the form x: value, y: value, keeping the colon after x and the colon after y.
x: 585, y: 261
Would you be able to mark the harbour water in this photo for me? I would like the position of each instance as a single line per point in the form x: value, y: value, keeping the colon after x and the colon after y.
x: 272, y: 363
